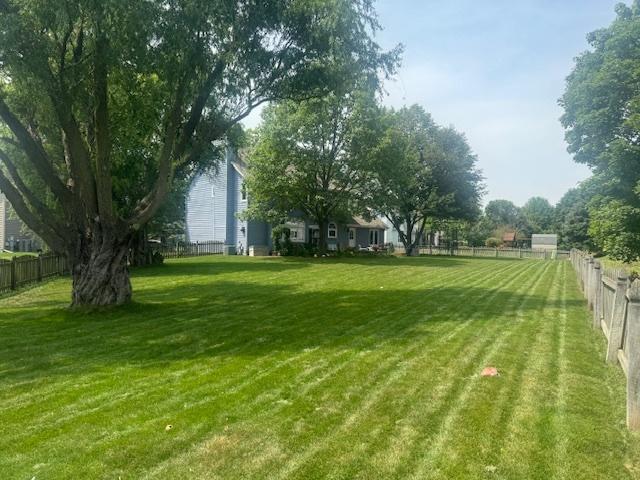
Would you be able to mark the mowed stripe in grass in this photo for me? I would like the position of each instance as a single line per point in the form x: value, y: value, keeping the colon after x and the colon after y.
x: 279, y: 368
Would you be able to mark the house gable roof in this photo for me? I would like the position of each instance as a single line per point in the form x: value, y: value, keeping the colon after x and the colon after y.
x: 360, y: 222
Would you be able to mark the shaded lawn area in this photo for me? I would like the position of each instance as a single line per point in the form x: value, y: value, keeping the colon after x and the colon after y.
x: 275, y: 368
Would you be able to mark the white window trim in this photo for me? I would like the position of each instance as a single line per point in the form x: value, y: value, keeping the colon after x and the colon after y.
x: 377, y: 236
x: 335, y: 230
x: 297, y: 230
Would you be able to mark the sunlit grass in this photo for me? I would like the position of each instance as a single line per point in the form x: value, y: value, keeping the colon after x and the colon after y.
x: 276, y: 368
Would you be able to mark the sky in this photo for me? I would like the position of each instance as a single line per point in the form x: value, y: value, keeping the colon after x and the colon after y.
x: 495, y: 69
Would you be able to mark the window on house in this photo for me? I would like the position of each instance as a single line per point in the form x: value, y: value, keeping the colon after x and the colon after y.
x: 296, y: 231
x: 374, y: 237
x: 243, y: 191
x: 333, y: 230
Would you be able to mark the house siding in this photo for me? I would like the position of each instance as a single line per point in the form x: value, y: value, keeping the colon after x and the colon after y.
x: 214, y: 205
x: 243, y: 239
x: 207, y: 208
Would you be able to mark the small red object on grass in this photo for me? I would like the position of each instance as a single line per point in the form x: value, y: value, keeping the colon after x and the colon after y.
x: 489, y: 372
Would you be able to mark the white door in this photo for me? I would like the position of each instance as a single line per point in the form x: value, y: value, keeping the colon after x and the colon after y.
x: 352, y: 237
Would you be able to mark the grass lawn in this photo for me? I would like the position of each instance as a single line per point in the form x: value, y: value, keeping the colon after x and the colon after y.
x: 274, y: 368
x: 10, y: 255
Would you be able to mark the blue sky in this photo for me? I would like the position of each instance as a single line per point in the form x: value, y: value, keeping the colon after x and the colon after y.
x: 494, y: 69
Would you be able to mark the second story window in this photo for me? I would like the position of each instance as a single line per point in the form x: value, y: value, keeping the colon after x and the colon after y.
x: 243, y: 191
x: 333, y: 230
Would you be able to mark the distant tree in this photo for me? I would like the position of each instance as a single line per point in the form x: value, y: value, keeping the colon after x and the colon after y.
x: 313, y: 157
x: 93, y: 92
x: 571, y: 218
x: 602, y: 121
x: 615, y: 227
x: 502, y: 213
x: 427, y: 174
x: 538, y: 214
x: 476, y: 232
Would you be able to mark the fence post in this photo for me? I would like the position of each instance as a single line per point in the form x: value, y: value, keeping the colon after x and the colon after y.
x: 590, y: 282
x: 633, y: 357
x: 617, y: 318
x: 496, y: 252
x: 13, y: 273
x: 39, y: 267
x: 597, y: 294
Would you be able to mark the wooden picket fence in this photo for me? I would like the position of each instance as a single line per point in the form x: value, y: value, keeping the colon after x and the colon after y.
x: 495, y: 252
x: 28, y: 269
x: 191, y: 249
x: 615, y: 301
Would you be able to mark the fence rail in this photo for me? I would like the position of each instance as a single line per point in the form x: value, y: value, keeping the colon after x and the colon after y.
x: 191, y: 249
x: 495, y: 252
x: 615, y: 301
x: 27, y: 269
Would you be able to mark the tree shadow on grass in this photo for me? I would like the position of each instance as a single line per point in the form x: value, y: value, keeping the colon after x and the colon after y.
x: 216, y: 265
x: 244, y: 319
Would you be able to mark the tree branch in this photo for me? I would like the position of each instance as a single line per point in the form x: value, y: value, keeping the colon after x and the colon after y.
x: 40, y: 208
x: 147, y: 207
x: 36, y: 155
x: 54, y: 242
x: 103, y: 141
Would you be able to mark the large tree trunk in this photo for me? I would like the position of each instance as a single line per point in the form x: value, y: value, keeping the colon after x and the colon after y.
x: 100, y: 273
x: 141, y: 253
x: 323, y: 237
x: 408, y: 241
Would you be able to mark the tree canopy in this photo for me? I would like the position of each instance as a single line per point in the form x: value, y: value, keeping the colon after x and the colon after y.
x: 311, y: 159
x: 104, y: 103
x: 602, y: 120
x: 538, y: 215
x: 426, y: 173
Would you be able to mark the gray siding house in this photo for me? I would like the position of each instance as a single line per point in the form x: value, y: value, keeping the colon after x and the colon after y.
x: 14, y: 235
x: 215, y: 202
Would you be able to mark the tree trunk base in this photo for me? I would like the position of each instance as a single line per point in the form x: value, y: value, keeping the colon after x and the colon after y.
x: 101, y: 277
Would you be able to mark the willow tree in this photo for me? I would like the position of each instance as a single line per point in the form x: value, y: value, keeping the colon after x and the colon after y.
x: 92, y: 89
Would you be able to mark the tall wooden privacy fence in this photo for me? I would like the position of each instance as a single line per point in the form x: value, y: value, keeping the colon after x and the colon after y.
x: 191, y: 249
x: 27, y: 269
x: 615, y: 301
x: 495, y: 252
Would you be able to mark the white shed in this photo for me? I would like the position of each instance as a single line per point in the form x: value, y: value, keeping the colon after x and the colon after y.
x: 544, y: 241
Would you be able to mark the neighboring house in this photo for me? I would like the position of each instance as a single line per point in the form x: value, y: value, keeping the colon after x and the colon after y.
x: 215, y: 202
x: 509, y: 239
x: 392, y: 236
x: 357, y: 232
x: 544, y: 241
x: 14, y: 236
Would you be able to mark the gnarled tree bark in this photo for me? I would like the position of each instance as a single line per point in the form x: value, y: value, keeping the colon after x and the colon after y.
x: 100, y: 273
